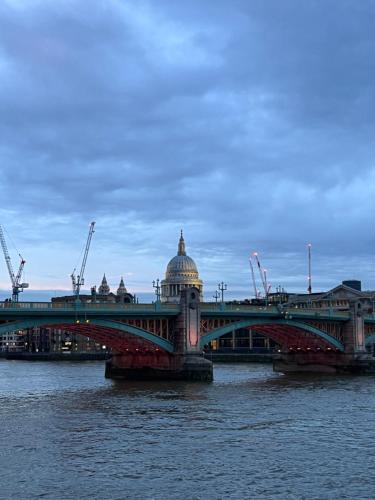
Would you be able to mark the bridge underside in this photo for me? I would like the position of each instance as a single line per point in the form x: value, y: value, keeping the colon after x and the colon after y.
x: 289, y: 335
x: 294, y: 339
x: 132, y: 338
x: 117, y: 340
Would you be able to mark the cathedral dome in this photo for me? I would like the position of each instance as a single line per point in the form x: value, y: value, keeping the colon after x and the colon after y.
x: 181, y: 273
x: 181, y: 264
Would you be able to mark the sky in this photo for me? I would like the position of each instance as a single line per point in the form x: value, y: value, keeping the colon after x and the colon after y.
x: 248, y: 124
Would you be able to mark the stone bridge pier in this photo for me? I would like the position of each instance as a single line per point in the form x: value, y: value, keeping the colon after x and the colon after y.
x: 354, y: 358
x: 185, y: 363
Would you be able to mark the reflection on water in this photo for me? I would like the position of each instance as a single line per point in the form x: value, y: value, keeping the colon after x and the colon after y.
x: 69, y: 433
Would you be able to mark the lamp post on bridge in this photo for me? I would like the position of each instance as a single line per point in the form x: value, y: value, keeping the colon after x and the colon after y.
x: 222, y: 287
x: 157, y: 287
x: 287, y: 315
x: 216, y: 296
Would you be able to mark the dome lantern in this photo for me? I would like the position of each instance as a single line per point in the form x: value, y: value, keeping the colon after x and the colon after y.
x: 181, y: 245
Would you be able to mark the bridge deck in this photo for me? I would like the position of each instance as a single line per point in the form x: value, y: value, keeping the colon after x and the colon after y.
x: 208, y: 309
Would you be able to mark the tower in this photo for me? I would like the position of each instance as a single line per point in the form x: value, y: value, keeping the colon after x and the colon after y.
x: 104, y: 288
x: 121, y: 290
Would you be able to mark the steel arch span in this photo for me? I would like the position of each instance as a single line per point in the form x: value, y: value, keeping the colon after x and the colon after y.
x: 114, y: 334
x: 284, y: 332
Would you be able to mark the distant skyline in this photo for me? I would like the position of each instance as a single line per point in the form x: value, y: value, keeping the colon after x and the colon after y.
x: 248, y: 124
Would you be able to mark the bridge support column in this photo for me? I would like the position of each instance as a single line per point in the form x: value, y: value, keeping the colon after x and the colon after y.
x: 185, y: 363
x: 187, y: 338
x: 354, y: 331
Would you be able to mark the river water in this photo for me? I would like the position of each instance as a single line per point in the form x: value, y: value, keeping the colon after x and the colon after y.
x: 68, y: 433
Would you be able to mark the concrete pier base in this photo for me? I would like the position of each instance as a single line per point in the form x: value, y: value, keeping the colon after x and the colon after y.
x: 171, y: 367
x: 197, y: 368
x: 334, y: 363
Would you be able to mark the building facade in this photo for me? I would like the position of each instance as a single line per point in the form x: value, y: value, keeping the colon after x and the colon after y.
x: 101, y: 295
x: 338, y: 297
x: 12, y: 342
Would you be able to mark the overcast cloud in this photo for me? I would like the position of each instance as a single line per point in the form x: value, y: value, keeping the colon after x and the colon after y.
x: 250, y: 124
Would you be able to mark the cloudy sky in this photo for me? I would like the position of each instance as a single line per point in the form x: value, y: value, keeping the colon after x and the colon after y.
x: 248, y: 123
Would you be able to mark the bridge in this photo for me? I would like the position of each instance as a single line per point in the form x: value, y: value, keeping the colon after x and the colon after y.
x: 161, y: 340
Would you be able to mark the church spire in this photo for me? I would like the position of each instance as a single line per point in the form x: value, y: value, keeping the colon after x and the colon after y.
x: 104, y: 288
x: 181, y: 245
x: 121, y: 288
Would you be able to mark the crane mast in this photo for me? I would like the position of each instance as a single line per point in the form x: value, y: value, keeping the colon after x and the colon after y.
x: 78, y: 281
x: 262, y: 274
x: 17, y: 286
x: 253, y: 278
x: 267, y: 286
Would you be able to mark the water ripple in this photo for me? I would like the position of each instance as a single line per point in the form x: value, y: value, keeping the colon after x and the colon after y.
x: 69, y: 433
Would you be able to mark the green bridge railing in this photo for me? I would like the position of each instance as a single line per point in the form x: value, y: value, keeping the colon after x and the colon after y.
x: 74, y: 306
x: 207, y: 308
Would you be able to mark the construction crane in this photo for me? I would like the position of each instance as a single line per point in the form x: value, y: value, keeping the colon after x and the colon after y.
x: 256, y: 293
x: 78, y: 281
x: 266, y: 284
x: 17, y: 286
x: 262, y: 274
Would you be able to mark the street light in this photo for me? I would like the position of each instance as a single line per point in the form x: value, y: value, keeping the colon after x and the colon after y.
x: 157, y: 287
x: 216, y: 296
x: 222, y: 287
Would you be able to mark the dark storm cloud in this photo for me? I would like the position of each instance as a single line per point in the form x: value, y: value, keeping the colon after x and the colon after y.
x: 249, y: 123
